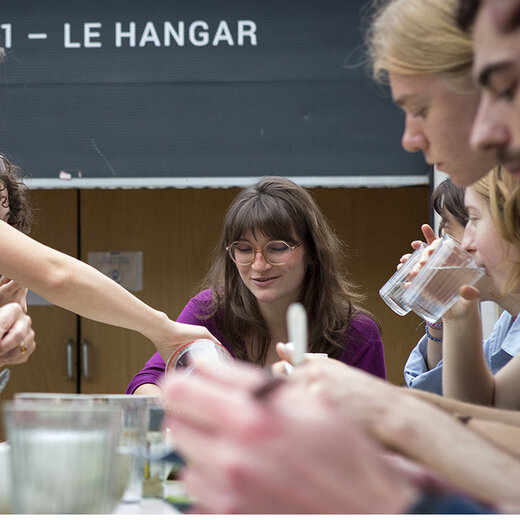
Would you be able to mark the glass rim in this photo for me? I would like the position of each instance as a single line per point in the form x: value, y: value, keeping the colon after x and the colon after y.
x: 30, y: 405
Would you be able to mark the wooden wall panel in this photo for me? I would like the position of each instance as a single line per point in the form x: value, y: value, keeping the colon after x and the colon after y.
x: 377, y: 226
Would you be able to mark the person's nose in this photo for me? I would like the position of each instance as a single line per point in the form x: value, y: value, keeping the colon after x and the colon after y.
x: 259, y: 262
x: 489, y: 128
x: 413, y: 139
x: 468, y: 243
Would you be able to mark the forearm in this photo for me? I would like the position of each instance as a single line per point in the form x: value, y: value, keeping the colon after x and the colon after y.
x: 507, y: 385
x: 84, y: 290
x: 148, y: 389
x: 448, y: 447
x: 466, y: 375
x: 76, y: 286
x: 434, y: 350
x: 455, y: 406
x: 502, y: 435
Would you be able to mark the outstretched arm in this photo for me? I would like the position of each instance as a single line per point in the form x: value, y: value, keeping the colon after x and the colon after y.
x: 78, y: 287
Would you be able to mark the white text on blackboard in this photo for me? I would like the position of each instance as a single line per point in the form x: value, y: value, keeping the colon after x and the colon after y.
x: 197, y: 33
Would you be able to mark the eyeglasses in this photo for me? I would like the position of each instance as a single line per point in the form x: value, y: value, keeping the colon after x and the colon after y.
x: 276, y: 252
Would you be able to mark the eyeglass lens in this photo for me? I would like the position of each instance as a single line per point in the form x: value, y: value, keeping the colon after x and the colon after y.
x: 275, y: 252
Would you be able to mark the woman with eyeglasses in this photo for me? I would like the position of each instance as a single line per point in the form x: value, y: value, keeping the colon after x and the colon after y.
x: 277, y: 248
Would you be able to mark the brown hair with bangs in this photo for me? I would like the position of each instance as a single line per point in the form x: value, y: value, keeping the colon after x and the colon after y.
x: 280, y: 209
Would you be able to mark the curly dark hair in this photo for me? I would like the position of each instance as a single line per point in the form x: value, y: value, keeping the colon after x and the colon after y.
x: 278, y: 208
x: 15, y: 196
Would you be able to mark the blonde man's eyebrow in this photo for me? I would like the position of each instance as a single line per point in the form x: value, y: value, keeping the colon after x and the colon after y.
x: 405, y: 99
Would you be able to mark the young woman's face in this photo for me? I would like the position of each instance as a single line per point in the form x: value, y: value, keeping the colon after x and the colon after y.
x: 273, y: 283
x: 481, y: 238
x: 438, y: 122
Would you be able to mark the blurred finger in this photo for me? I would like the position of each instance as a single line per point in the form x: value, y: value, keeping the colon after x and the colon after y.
x: 19, y: 353
x: 469, y: 292
x: 208, y: 403
x: 284, y: 351
x: 19, y: 331
x: 429, y: 233
x: 194, y: 443
x: 279, y: 368
x: 403, y: 260
x: 241, y: 375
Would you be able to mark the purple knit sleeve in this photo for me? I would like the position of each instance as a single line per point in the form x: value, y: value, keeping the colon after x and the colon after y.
x: 153, y: 370
x: 364, y: 346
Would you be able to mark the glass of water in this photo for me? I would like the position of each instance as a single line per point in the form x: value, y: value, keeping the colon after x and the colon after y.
x: 436, y: 287
x: 393, y: 291
x: 62, y: 456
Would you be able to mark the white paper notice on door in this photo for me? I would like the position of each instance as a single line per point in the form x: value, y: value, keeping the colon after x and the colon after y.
x: 124, y: 267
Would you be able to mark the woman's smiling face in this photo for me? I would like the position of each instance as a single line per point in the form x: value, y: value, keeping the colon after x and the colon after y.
x: 273, y: 283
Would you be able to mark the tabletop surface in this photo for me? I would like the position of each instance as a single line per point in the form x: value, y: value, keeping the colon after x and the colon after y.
x: 148, y: 506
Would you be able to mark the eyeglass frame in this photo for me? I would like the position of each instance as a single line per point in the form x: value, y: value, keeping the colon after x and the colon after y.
x: 260, y: 250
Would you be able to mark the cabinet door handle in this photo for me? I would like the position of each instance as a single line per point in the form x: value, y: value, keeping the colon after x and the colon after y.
x: 70, y: 374
x: 85, y: 359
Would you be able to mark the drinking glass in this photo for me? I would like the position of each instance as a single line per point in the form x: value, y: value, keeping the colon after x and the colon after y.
x: 186, y: 356
x: 5, y: 479
x: 62, y: 456
x: 134, y: 419
x: 393, y: 290
x: 436, y: 287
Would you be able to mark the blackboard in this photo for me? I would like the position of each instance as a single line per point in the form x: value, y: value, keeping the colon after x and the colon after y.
x: 194, y: 92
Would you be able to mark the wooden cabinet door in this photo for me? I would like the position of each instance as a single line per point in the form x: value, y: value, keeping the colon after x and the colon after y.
x: 177, y: 231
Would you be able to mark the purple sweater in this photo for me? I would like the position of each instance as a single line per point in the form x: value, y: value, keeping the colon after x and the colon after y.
x: 363, y: 344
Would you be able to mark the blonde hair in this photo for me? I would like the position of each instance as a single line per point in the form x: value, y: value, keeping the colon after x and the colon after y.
x: 502, y: 192
x: 414, y: 37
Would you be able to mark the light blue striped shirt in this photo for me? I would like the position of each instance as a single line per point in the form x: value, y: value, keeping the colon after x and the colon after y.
x: 501, y: 346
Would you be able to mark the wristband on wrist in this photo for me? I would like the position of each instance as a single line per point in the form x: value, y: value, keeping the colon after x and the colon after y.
x: 433, y: 338
x: 437, y: 325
